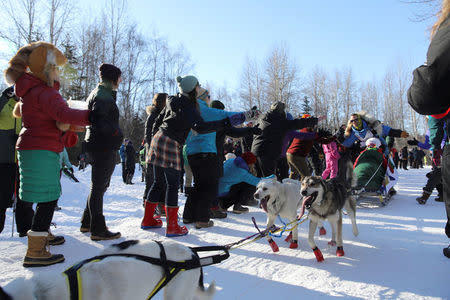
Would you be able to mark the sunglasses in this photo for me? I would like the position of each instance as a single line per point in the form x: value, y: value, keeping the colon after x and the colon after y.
x: 354, y: 121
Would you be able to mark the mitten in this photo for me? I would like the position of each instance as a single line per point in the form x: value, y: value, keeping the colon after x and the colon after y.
x: 69, y: 139
x: 404, y: 134
x: 256, y: 130
x: 413, y: 142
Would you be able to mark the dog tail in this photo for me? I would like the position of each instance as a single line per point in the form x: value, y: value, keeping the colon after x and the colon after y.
x: 207, y: 294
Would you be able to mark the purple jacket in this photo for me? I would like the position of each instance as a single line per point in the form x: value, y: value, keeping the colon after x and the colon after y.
x: 292, y: 135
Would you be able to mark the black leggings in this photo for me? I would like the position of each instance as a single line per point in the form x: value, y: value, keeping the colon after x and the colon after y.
x: 43, y: 216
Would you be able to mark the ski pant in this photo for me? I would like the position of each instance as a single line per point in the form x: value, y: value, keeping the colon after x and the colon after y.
x: 331, y: 169
x: 239, y: 194
x: 9, y: 183
x: 282, y: 168
x: 166, y: 182
x: 266, y: 166
x: 206, y: 186
x: 299, y: 166
x: 445, y: 163
x: 103, y: 164
x: 434, y: 181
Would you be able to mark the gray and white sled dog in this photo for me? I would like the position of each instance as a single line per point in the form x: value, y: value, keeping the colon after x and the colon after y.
x: 117, y: 277
x: 325, y: 200
x: 280, y: 198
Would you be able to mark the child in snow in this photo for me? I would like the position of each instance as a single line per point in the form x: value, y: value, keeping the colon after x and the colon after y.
x: 45, y: 117
x: 331, y: 157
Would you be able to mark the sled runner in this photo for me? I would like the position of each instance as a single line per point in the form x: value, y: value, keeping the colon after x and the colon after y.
x: 375, y: 177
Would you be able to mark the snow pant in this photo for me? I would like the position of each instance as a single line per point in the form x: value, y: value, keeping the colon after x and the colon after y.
x: 43, y: 216
x: 124, y: 172
x: 445, y: 165
x: 188, y: 177
x: 266, y: 166
x: 206, y: 186
x: 165, y: 183
x: 434, y: 181
x: 103, y: 164
x: 282, y: 171
x: 331, y: 169
x: 149, y: 178
x: 239, y: 194
x: 299, y: 166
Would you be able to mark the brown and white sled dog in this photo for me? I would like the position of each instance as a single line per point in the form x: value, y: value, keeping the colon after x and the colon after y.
x: 117, y: 277
x: 280, y: 198
x: 325, y: 200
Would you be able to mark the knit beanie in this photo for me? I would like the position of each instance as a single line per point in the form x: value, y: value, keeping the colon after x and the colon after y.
x: 109, y: 72
x: 249, y: 158
x: 217, y: 104
x: 187, y: 83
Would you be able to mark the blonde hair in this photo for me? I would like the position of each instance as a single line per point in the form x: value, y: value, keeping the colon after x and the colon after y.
x: 442, y: 15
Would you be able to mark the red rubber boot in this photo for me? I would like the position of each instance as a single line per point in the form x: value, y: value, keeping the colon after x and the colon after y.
x: 149, y: 221
x: 173, y: 229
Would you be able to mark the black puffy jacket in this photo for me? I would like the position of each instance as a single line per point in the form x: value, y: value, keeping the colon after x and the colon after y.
x: 180, y: 116
x: 430, y: 90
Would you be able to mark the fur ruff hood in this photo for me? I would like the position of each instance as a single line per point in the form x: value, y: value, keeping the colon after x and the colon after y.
x: 371, y: 123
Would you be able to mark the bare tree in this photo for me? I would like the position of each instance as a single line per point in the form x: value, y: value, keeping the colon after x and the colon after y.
x: 250, y: 90
x: 317, y: 90
x: 59, y: 18
x: 281, y: 79
x: 116, y: 20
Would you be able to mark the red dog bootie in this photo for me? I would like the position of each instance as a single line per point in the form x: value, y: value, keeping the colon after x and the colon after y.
x: 294, y: 244
x: 322, y: 231
x: 273, y: 245
x: 318, y: 254
x: 289, y: 237
x: 340, y: 251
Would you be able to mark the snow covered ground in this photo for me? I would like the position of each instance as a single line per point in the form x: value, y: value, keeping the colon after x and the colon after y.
x: 397, y: 255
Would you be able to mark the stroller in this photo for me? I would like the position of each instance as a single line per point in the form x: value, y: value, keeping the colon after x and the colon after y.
x: 375, y: 174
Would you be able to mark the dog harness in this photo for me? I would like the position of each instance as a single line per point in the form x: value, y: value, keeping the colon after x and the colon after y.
x: 171, y: 268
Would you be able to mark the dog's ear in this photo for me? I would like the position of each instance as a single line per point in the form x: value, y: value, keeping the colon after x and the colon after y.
x: 4, y: 295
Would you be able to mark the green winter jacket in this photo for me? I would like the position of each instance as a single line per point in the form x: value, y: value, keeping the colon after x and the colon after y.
x: 9, y: 130
x: 370, y: 169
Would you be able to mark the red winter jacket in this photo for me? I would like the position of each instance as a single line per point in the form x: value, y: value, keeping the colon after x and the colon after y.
x: 42, y: 107
x: 301, y: 147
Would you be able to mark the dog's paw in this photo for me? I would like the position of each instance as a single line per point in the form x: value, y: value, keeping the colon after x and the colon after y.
x: 294, y: 244
x: 273, y: 245
x: 318, y: 254
x: 289, y: 237
x: 332, y: 243
x: 322, y: 231
x: 340, y: 251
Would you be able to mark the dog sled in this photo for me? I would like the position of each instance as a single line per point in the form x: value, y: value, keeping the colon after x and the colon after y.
x: 375, y: 177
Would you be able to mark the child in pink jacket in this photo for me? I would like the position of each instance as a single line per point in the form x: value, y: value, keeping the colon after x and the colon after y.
x: 331, y: 157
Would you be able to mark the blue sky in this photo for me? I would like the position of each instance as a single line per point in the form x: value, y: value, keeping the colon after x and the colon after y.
x: 367, y: 35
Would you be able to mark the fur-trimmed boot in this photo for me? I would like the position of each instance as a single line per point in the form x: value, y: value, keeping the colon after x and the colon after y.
x: 423, y: 199
x: 37, y: 253
x: 173, y: 229
x: 149, y: 220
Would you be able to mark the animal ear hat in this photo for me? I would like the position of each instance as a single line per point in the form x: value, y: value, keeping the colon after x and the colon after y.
x: 38, y: 58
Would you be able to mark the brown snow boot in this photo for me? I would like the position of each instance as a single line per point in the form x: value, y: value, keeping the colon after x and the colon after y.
x: 423, y: 199
x: 38, y: 254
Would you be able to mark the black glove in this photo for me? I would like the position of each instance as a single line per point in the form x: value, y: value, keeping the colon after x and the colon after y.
x: 413, y: 142
x: 256, y: 130
x: 71, y: 170
x: 447, y: 228
x: 311, y: 122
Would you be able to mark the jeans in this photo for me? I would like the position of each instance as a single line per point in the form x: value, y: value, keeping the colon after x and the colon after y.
x: 166, y: 180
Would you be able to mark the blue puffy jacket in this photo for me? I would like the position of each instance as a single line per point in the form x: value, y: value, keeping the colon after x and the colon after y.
x: 235, y: 171
x: 361, y: 135
x: 206, y: 143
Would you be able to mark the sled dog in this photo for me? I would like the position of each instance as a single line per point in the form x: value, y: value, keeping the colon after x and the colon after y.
x: 117, y: 277
x: 325, y: 199
x: 280, y: 198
